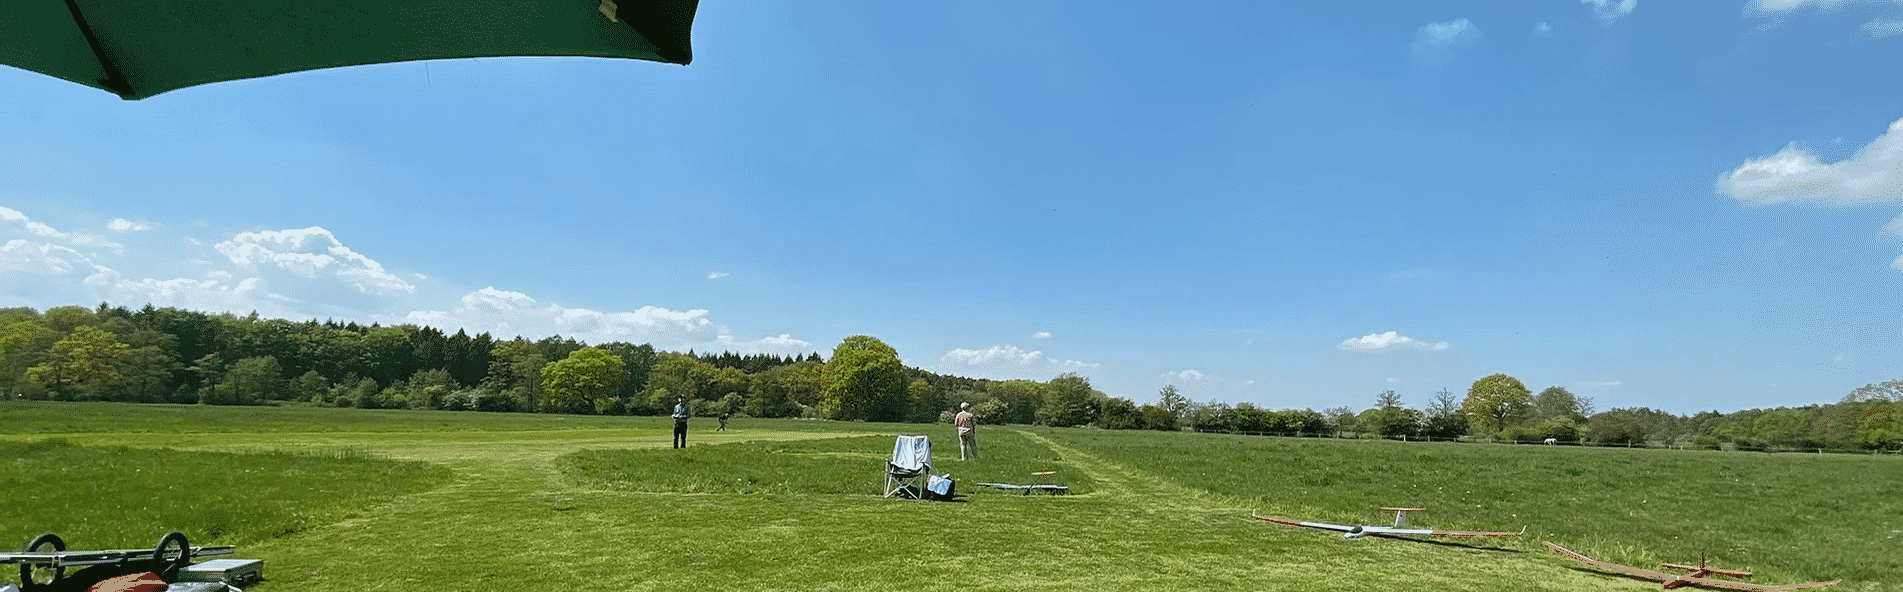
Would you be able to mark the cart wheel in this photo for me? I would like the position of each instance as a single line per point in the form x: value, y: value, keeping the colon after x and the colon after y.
x: 27, y: 569
x: 166, y: 565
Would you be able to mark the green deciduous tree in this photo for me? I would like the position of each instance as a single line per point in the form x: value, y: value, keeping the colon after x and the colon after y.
x: 863, y: 380
x: 1155, y: 417
x: 515, y: 369
x: 86, y: 355
x: 1391, y: 419
x: 783, y: 391
x: 1444, y: 419
x: 1558, y: 403
x: 1012, y: 401
x: 583, y: 382
x: 1173, y: 402
x: 1496, y: 401
x: 1070, y: 401
x: 252, y: 380
x: 309, y: 386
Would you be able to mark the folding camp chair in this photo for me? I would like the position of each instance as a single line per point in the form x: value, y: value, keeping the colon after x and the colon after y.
x: 911, y: 464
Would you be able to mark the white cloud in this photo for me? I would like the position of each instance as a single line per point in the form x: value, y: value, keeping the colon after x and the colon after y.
x: 782, y: 344
x: 1439, y: 39
x: 1776, y: 12
x: 308, y: 273
x: 717, y: 275
x: 1191, y: 375
x: 124, y: 225
x: 310, y: 253
x: 1006, y: 362
x: 506, y: 314
x: 1041, y: 335
x: 41, y: 230
x: 1873, y: 175
x: 1542, y: 29
x: 1763, y: 8
x: 1389, y: 341
x: 1881, y: 28
x: 1610, y: 11
x: 1393, y: 380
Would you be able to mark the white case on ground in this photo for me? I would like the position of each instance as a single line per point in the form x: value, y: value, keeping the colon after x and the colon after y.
x: 237, y: 572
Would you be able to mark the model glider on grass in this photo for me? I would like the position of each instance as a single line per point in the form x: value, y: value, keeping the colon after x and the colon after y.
x: 1355, y: 532
x: 139, y: 49
x: 1694, y: 576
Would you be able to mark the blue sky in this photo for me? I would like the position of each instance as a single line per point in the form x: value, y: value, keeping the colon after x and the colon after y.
x: 1684, y: 206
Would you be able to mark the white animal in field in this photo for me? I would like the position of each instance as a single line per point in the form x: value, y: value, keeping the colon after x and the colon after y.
x: 1552, y: 441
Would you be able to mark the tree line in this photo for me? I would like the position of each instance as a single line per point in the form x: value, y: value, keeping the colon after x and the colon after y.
x: 1500, y: 407
x: 169, y: 355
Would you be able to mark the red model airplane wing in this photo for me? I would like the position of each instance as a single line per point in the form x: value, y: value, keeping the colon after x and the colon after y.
x: 1669, y: 578
x: 1750, y: 587
x: 1606, y: 565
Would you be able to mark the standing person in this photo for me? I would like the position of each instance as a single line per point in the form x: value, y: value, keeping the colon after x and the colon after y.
x: 681, y: 414
x: 723, y: 421
x: 967, y: 432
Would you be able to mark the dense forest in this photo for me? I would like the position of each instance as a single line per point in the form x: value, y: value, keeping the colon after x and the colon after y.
x: 167, y: 355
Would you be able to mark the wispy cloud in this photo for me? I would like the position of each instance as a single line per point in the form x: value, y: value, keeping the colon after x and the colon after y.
x: 42, y: 231
x: 1610, y: 11
x: 310, y: 273
x: 1386, y: 342
x: 1542, y: 29
x: 1190, y: 375
x: 1438, y: 42
x: 124, y: 225
x: 506, y: 313
x: 1881, y: 28
x: 782, y: 344
x: 1041, y: 335
x: 717, y: 275
x: 1007, y: 362
x: 1775, y: 13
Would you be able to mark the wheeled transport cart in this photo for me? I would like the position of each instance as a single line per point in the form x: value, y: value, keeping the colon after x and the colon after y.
x: 46, y: 557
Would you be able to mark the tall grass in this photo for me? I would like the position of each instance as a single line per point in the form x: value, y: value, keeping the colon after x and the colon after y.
x: 1791, y: 517
x: 112, y: 497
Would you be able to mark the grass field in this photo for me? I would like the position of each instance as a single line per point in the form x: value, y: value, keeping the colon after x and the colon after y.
x: 354, y: 500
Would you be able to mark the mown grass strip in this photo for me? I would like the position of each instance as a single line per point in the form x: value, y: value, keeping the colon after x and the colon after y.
x: 834, y: 466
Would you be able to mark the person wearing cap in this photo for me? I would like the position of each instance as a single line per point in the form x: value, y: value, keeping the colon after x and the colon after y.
x: 967, y: 432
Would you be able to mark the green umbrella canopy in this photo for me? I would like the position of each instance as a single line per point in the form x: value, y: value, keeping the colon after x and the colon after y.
x: 140, y: 48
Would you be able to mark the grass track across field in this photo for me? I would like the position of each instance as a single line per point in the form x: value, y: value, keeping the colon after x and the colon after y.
x: 598, y: 503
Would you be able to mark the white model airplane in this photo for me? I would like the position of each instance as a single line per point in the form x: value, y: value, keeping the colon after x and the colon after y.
x: 1400, y: 521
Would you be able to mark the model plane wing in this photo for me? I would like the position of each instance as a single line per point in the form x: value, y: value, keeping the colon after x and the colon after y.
x: 1675, y: 580
x: 1361, y: 531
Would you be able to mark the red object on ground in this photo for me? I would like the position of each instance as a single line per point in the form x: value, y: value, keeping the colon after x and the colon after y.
x: 133, y: 582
